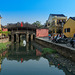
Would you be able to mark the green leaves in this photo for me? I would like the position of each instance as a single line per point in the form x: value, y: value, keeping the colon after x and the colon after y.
x: 37, y: 23
x: 3, y: 46
x: 5, y: 32
x: 0, y: 31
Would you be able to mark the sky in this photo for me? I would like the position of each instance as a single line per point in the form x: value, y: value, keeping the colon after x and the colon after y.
x: 13, y: 11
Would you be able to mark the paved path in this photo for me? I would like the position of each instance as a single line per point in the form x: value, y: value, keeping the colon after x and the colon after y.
x: 64, y: 45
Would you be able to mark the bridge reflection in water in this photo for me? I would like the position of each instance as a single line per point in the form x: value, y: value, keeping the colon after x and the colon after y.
x: 18, y: 51
x: 28, y: 60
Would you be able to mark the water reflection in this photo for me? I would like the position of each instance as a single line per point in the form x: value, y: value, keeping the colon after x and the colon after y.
x: 0, y: 63
x: 28, y: 60
x: 22, y: 53
x: 38, y: 53
x: 2, y: 56
x: 62, y: 63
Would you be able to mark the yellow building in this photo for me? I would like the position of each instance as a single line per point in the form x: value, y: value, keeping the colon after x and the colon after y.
x: 55, y: 22
x: 0, y: 24
x: 69, y: 27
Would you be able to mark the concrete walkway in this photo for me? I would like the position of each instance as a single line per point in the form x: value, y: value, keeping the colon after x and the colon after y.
x: 63, y: 45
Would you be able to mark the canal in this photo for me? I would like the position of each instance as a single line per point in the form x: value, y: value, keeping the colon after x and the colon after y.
x: 28, y: 60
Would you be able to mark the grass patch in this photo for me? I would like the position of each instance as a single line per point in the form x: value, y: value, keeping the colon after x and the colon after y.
x: 48, y: 51
x: 3, y: 46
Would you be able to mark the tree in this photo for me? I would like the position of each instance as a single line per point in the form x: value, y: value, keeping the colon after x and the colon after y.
x: 37, y: 23
x: 4, y: 32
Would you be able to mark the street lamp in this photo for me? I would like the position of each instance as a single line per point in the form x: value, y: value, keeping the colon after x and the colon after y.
x: 62, y: 26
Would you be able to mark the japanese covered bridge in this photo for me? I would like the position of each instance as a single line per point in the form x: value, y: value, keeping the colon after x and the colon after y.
x: 19, y: 29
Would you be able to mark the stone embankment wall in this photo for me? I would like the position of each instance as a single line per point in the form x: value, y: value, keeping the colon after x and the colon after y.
x: 4, y: 40
x: 67, y: 52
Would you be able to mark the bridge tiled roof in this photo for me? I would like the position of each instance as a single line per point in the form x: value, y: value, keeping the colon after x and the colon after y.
x: 18, y: 25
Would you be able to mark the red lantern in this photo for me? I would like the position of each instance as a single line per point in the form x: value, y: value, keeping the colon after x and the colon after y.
x: 21, y: 24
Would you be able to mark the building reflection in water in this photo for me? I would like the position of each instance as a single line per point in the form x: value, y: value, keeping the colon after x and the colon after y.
x: 38, y: 53
x: 2, y: 56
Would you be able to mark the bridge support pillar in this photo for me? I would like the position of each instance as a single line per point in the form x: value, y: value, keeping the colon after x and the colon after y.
x: 17, y: 38
x: 12, y: 38
x: 20, y: 37
x: 27, y: 37
x: 31, y: 37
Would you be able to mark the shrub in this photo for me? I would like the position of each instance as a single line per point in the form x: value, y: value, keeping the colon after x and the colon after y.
x: 48, y: 50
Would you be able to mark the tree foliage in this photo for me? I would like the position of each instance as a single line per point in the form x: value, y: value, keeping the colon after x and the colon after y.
x: 4, y: 32
x: 37, y: 23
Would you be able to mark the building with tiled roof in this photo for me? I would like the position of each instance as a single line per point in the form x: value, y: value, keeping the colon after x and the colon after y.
x: 58, y: 15
x: 55, y: 22
x: 72, y: 18
x: 69, y: 27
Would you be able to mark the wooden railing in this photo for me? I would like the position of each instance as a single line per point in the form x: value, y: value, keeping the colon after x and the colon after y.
x: 3, y: 37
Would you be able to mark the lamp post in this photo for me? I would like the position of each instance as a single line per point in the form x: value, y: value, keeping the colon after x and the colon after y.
x: 62, y: 26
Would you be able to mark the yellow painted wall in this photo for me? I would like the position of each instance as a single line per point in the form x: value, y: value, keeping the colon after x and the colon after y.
x: 0, y: 25
x: 0, y: 33
x: 69, y: 24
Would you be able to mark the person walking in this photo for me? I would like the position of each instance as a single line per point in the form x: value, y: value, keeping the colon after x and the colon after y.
x: 74, y: 35
x: 49, y: 36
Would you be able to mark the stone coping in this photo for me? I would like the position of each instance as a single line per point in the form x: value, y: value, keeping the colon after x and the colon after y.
x: 62, y: 45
